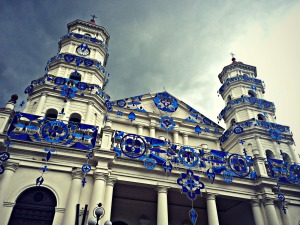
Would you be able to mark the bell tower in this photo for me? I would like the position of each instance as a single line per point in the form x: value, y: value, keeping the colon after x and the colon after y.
x: 75, y: 78
x: 250, y: 119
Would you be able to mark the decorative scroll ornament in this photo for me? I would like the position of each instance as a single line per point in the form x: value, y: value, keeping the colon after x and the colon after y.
x: 239, y: 165
x: 188, y: 156
x: 165, y: 102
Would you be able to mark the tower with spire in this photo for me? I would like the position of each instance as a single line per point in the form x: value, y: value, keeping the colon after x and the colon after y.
x: 75, y: 78
x: 250, y: 119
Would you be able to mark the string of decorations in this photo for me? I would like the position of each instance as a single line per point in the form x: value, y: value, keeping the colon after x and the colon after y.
x: 261, y: 103
x: 85, y: 38
x: 276, y: 131
x: 169, y: 155
x: 241, y: 77
x: 4, y: 156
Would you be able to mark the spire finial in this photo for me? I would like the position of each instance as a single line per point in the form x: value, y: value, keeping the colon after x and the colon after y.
x: 233, y: 58
x: 93, y: 19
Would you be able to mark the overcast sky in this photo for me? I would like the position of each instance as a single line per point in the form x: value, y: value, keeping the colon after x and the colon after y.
x: 176, y: 44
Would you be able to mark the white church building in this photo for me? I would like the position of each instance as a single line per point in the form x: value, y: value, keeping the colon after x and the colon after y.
x: 149, y: 159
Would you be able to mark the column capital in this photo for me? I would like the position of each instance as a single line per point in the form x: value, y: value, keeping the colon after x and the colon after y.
x: 140, y: 126
x: 90, y: 103
x: 268, y: 201
x: 13, y: 166
x: 77, y: 173
x: 255, y: 202
x: 100, y: 176
x: 162, y: 189
x: 111, y: 181
x: 211, y: 196
x: 44, y: 94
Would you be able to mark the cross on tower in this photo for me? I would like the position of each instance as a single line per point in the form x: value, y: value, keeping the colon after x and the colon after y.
x: 93, y: 17
x: 232, y: 55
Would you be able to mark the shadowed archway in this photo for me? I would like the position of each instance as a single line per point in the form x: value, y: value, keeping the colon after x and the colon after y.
x: 34, y: 206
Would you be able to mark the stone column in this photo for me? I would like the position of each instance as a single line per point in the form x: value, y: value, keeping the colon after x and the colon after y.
x: 212, y: 212
x: 162, y: 205
x: 58, y: 216
x: 73, y: 197
x: 140, y: 130
x: 295, y: 156
x: 175, y: 136
x: 5, y: 180
x: 277, y: 150
x: 107, y: 204
x: 6, y: 212
x: 98, y: 191
x: 270, y: 211
x: 257, y: 214
x: 260, y: 147
x: 89, y: 113
x: 185, y: 139
x: 152, y: 131
x: 41, y: 104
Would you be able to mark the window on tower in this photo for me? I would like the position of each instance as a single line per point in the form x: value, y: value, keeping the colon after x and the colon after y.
x: 261, y: 117
x: 51, y: 114
x: 286, y: 157
x: 75, y: 118
x: 233, y: 122
x: 229, y: 98
x: 270, y: 154
x: 75, y: 76
x: 252, y: 93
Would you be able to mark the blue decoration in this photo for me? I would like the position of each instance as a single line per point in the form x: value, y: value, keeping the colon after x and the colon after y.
x: 109, y: 105
x: 295, y: 173
x: 167, y: 123
x: 121, y: 103
x: 188, y: 156
x: 86, y: 168
x: 4, y: 156
x: 88, y: 62
x: 28, y: 89
x: 133, y: 146
x: 238, y: 165
x: 275, y: 134
x: 168, y: 168
x: 149, y: 163
x: 281, y: 197
x: 68, y: 92
x: 83, y: 182
x: 193, y: 216
x: 191, y: 184
x: 227, y: 176
x: 2, y: 169
x: 54, y: 131
x: 69, y: 58
x: 211, y: 176
x: 165, y: 102
x: 131, y: 116
x: 39, y: 181
x: 238, y: 130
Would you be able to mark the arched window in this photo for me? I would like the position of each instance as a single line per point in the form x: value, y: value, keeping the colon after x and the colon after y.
x: 34, y: 206
x: 229, y: 98
x: 270, y: 154
x: 75, y: 118
x: 261, y: 117
x: 286, y: 157
x: 252, y: 93
x: 232, y: 122
x: 75, y: 76
x: 51, y: 114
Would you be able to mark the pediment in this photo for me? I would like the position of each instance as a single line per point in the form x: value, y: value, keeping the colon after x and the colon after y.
x: 160, y: 104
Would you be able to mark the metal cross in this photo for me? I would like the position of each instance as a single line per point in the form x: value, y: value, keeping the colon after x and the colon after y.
x: 232, y: 54
x: 93, y: 17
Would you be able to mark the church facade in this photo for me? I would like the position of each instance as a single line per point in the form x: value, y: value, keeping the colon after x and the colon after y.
x: 149, y: 159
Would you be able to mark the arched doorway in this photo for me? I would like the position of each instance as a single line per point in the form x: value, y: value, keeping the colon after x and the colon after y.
x: 35, y: 206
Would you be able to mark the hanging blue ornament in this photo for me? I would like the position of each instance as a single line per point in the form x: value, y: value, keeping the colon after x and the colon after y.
x: 165, y: 102
x: 133, y: 146
x: 198, y: 129
x: 4, y: 156
x: 191, y: 184
x: 83, y: 182
x: 28, y: 89
x: 193, y: 216
x: 167, y: 168
x: 239, y: 165
x: 253, y: 175
x: 188, y: 156
x: 1, y: 169
x: 39, y: 181
x: 131, y: 116
x: 121, y: 103
x: 227, y: 176
x: 44, y: 169
x: 149, y: 163
x: 86, y: 168
x: 238, y: 130
x: 48, y: 156
x: 211, y: 176
x: 167, y: 123
x: 281, y: 197
x: 275, y: 134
